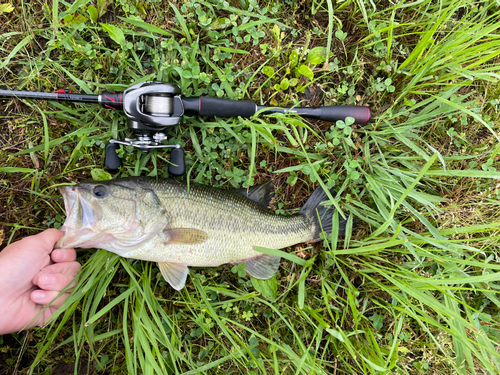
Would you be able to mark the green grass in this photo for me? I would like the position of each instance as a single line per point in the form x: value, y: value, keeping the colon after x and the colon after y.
x: 411, y: 288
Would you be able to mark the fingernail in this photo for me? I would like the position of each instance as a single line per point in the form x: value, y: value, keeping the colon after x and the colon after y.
x: 57, y: 254
x: 47, y: 279
x: 38, y: 295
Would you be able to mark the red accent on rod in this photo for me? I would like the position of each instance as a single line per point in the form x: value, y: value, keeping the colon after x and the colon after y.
x: 113, y: 100
x: 368, y: 115
x: 199, y: 104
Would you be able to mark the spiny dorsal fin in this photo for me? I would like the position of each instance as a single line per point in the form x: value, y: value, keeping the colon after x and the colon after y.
x: 174, y: 273
x: 262, y: 266
x: 187, y: 236
x: 260, y: 194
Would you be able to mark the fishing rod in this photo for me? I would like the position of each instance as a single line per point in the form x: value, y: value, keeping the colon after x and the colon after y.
x: 152, y: 107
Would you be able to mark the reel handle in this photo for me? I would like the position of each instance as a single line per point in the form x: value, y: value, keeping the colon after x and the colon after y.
x: 112, y: 161
x: 177, y: 166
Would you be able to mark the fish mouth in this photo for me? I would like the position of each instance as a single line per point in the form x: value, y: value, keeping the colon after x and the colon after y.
x: 81, y: 217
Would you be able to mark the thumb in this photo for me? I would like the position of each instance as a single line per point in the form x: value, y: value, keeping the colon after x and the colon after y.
x: 44, y: 240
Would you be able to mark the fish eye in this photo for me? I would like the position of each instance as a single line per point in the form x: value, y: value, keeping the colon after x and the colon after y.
x: 99, y: 191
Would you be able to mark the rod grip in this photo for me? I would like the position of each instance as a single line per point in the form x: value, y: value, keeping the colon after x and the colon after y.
x: 360, y: 114
x: 225, y: 107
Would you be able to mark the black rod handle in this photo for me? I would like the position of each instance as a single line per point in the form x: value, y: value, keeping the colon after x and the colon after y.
x: 208, y: 106
x: 360, y: 114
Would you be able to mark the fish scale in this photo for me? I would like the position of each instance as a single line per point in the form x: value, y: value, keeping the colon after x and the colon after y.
x: 180, y: 225
x: 234, y: 225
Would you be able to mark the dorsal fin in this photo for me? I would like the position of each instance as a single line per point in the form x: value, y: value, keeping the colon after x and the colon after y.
x: 260, y: 194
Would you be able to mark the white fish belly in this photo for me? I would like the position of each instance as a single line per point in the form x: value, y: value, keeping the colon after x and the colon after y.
x: 218, y: 249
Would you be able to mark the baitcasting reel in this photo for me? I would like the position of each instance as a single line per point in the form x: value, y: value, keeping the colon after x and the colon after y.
x: 152, y: 107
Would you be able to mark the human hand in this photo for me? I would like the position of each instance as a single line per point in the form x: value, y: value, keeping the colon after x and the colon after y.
x: 32, y: 274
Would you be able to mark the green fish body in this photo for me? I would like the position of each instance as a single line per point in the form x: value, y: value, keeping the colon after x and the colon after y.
x: 177, y: 225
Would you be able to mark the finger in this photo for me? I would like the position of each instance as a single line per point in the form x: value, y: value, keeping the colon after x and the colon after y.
x: 44, y: 297
x: 44, y: 240
x: 66, y: 255
x: 65, y: 268
x: 69, y: 268
x: 56, y: 281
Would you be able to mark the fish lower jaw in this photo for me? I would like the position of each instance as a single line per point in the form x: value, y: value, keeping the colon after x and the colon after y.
x: 83, y: 238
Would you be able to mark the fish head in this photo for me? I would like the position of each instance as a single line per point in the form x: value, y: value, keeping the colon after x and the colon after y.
x: 113, y: 215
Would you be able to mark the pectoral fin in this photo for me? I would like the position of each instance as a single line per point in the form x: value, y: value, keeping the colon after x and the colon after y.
x: 174, y: 273
x: 185, y: 236
x: 263, y: 266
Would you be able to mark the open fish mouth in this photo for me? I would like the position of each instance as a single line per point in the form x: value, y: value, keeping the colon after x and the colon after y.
x: 81, y: 217
x: 86, y: 227
x: 80, y: 214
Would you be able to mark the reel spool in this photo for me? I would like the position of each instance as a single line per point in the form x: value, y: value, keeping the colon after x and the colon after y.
x: 150, y: 107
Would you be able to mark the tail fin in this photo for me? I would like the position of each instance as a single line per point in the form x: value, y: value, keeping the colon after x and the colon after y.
x: 321, y: 216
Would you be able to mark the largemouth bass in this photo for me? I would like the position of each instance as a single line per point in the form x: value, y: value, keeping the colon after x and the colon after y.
x: 176, y: 225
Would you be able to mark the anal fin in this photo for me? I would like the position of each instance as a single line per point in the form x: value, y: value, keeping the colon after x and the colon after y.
x: 262, y: 266
x: 174, y: 273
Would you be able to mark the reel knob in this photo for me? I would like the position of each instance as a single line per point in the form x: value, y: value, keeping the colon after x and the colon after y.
x: 111, y: 160
x: 144, y: 143
x: 177, y: 166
